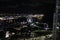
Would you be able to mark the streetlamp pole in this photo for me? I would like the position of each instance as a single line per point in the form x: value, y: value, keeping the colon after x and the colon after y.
x: 55, y: 21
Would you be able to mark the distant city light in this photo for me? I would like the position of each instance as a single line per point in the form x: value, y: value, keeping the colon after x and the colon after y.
x: 46, y: 29
x: 29, y: 20
x: 7, y: 34
x: 41, y: 15
x: 1, y: 18
x: 10, y: 18
x: 57, y: 27
x: 13, y: 33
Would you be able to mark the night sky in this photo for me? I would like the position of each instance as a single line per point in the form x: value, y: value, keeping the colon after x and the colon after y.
x: 46, y: 7
x: 26, y: 6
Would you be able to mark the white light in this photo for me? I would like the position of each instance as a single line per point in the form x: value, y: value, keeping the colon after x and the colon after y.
x: 38, y: 15
x: 29, y: 20
x: 7, y: 34
x: 32, y: 24
x: 50, y: 35
x: 41, y: 15
x: 1, y: 18
x: 57, y: 27
x: 46, y: 28
x: 35, y: 15
x: 13, y: 33
x: 10, y: 18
